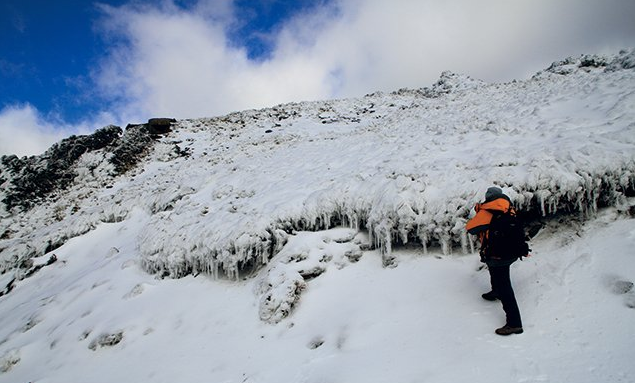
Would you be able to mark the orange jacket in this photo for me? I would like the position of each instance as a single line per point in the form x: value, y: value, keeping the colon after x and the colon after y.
x: 480, y: 222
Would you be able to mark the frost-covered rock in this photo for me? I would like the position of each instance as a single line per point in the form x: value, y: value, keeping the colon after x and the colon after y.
x: 27, y: 180
x: 453, y: 82
x: 306, y: 256
x: 624, y: 60
x: 46, y: 200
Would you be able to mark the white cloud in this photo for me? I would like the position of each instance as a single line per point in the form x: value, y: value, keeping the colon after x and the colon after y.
x: 386, y: 45
x: 26, y: 132
x: 23, y: 132
x: 181, y: 63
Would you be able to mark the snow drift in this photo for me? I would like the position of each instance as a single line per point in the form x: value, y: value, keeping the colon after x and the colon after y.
x: 224, y: 193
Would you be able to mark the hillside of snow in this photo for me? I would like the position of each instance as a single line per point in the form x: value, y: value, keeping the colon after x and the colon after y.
x: 325, y: 241
x: 224, y: 193
x: 95, y: 316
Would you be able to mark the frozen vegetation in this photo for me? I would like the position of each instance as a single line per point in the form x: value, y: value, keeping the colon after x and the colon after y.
x: 353, y: 210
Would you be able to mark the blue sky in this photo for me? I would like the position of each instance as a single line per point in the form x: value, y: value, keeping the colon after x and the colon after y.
x: 46, y: 49
x: 49, y: 47
x: 72, y: 66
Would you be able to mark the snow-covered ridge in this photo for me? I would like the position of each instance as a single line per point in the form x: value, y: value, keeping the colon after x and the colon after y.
x: 405, y: 166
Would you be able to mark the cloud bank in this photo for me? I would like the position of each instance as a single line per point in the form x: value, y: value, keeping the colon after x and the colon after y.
x: 23, y: 132
x: 165, y: 60
x: 26, y: 131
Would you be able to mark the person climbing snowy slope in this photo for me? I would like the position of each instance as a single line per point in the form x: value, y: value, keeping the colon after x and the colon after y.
x: 498, y: 258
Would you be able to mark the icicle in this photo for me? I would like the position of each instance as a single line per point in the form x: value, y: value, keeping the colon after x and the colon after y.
x: 403, y: 234
x: 580, y: 201
x: 553, y: 206
x: 388, y: 243
x: 542, y: 204
x: 445, y: 246
x: 350, y: 220
x: 264, y: 256
x: 423, y: 237
x: 388, y: 260
x: 215, y: 268
x: 464, y: 241
x: 594, y: 201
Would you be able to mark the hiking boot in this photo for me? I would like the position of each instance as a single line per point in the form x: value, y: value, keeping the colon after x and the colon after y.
x: 490, y: 296
x: 508, y: 330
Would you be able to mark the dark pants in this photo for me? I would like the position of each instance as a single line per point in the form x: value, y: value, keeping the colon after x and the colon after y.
x: 502, y: 287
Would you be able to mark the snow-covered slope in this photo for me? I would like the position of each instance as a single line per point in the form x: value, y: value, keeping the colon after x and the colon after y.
x: 95, y: 316
x: 303, y: 206
x: 406, y: 166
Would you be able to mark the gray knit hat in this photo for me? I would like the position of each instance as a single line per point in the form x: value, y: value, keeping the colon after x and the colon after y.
x: 492, y: 193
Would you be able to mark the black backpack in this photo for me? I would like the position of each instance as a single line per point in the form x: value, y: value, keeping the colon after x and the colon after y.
x: 506, y: 239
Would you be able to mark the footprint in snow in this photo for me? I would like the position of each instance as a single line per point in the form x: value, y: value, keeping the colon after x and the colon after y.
x: 106, y: 340
x: 32, y: 322
x: 9, y: 359
x: 127, y: 264
x: 99, y: 283
x: 84, y: 335
x: 315, y: 343
x: 619, y: 286
x: 137, y: 290
x: 622, y: 287
x: 112, y: 252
